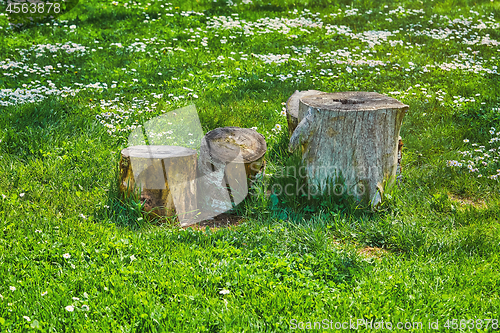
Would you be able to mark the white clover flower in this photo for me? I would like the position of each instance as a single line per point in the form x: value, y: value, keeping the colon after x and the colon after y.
x: 70, y: 308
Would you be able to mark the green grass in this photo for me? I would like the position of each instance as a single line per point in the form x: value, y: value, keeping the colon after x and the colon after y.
x: 67, y: 239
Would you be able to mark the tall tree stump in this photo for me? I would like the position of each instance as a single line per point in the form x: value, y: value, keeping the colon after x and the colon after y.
x: 353, y: 136
x: 292, y: 108
x: 230, y: 157
x: 165, y: 177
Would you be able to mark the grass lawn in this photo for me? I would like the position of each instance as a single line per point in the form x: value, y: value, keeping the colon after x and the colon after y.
x: 76, y: 258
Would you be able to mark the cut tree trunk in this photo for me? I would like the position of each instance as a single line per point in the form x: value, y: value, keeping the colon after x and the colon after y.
x: 400, y: 157
x: 292, y: 108
x: 352, y: 137
x: 230, y: 158
x: 165, y: 177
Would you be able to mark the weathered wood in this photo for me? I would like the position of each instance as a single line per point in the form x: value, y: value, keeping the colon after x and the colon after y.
x: 400, y: 157
x: 292, y: 108
x: 165, y: 177
x: 352, y: 135
x: 230, y: 157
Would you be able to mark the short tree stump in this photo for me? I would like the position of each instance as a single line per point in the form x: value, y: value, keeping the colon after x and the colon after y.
x: 165, y: 177
x: 351, y: 135
x: 230, y: 157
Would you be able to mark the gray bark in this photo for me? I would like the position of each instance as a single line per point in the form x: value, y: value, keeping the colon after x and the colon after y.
x: 292, y: 108
x: 351, y: 135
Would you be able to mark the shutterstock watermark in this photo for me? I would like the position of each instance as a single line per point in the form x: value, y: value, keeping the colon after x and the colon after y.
x: 218, y: 190
x: 22, y: 12
x: 291, y: 180
x: 324, y: 171
x: 459, y: 324
x: 362, y: 324
x: 311, y: 190
x: 182, y: 128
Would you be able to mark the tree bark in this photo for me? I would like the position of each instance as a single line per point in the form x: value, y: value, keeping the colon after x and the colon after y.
x: 230, y: 157
x: 292, y: 108
x: 400, y: 157
x: 351, y: 136
x: 165, y: 177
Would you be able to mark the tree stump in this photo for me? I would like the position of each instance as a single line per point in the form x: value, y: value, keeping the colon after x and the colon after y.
x: 400, y: 157
x: 165, y: 177
x: 230, y: 157
x: 292, y: 108
x: 352, y: 136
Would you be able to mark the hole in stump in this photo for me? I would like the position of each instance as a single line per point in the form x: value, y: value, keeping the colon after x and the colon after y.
x: 348, y: 101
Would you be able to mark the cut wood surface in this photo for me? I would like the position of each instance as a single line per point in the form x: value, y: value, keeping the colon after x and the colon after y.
x: 292, y: 108
x: 230, y: 157
x: 165, y: 177
x: 354, y: 135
